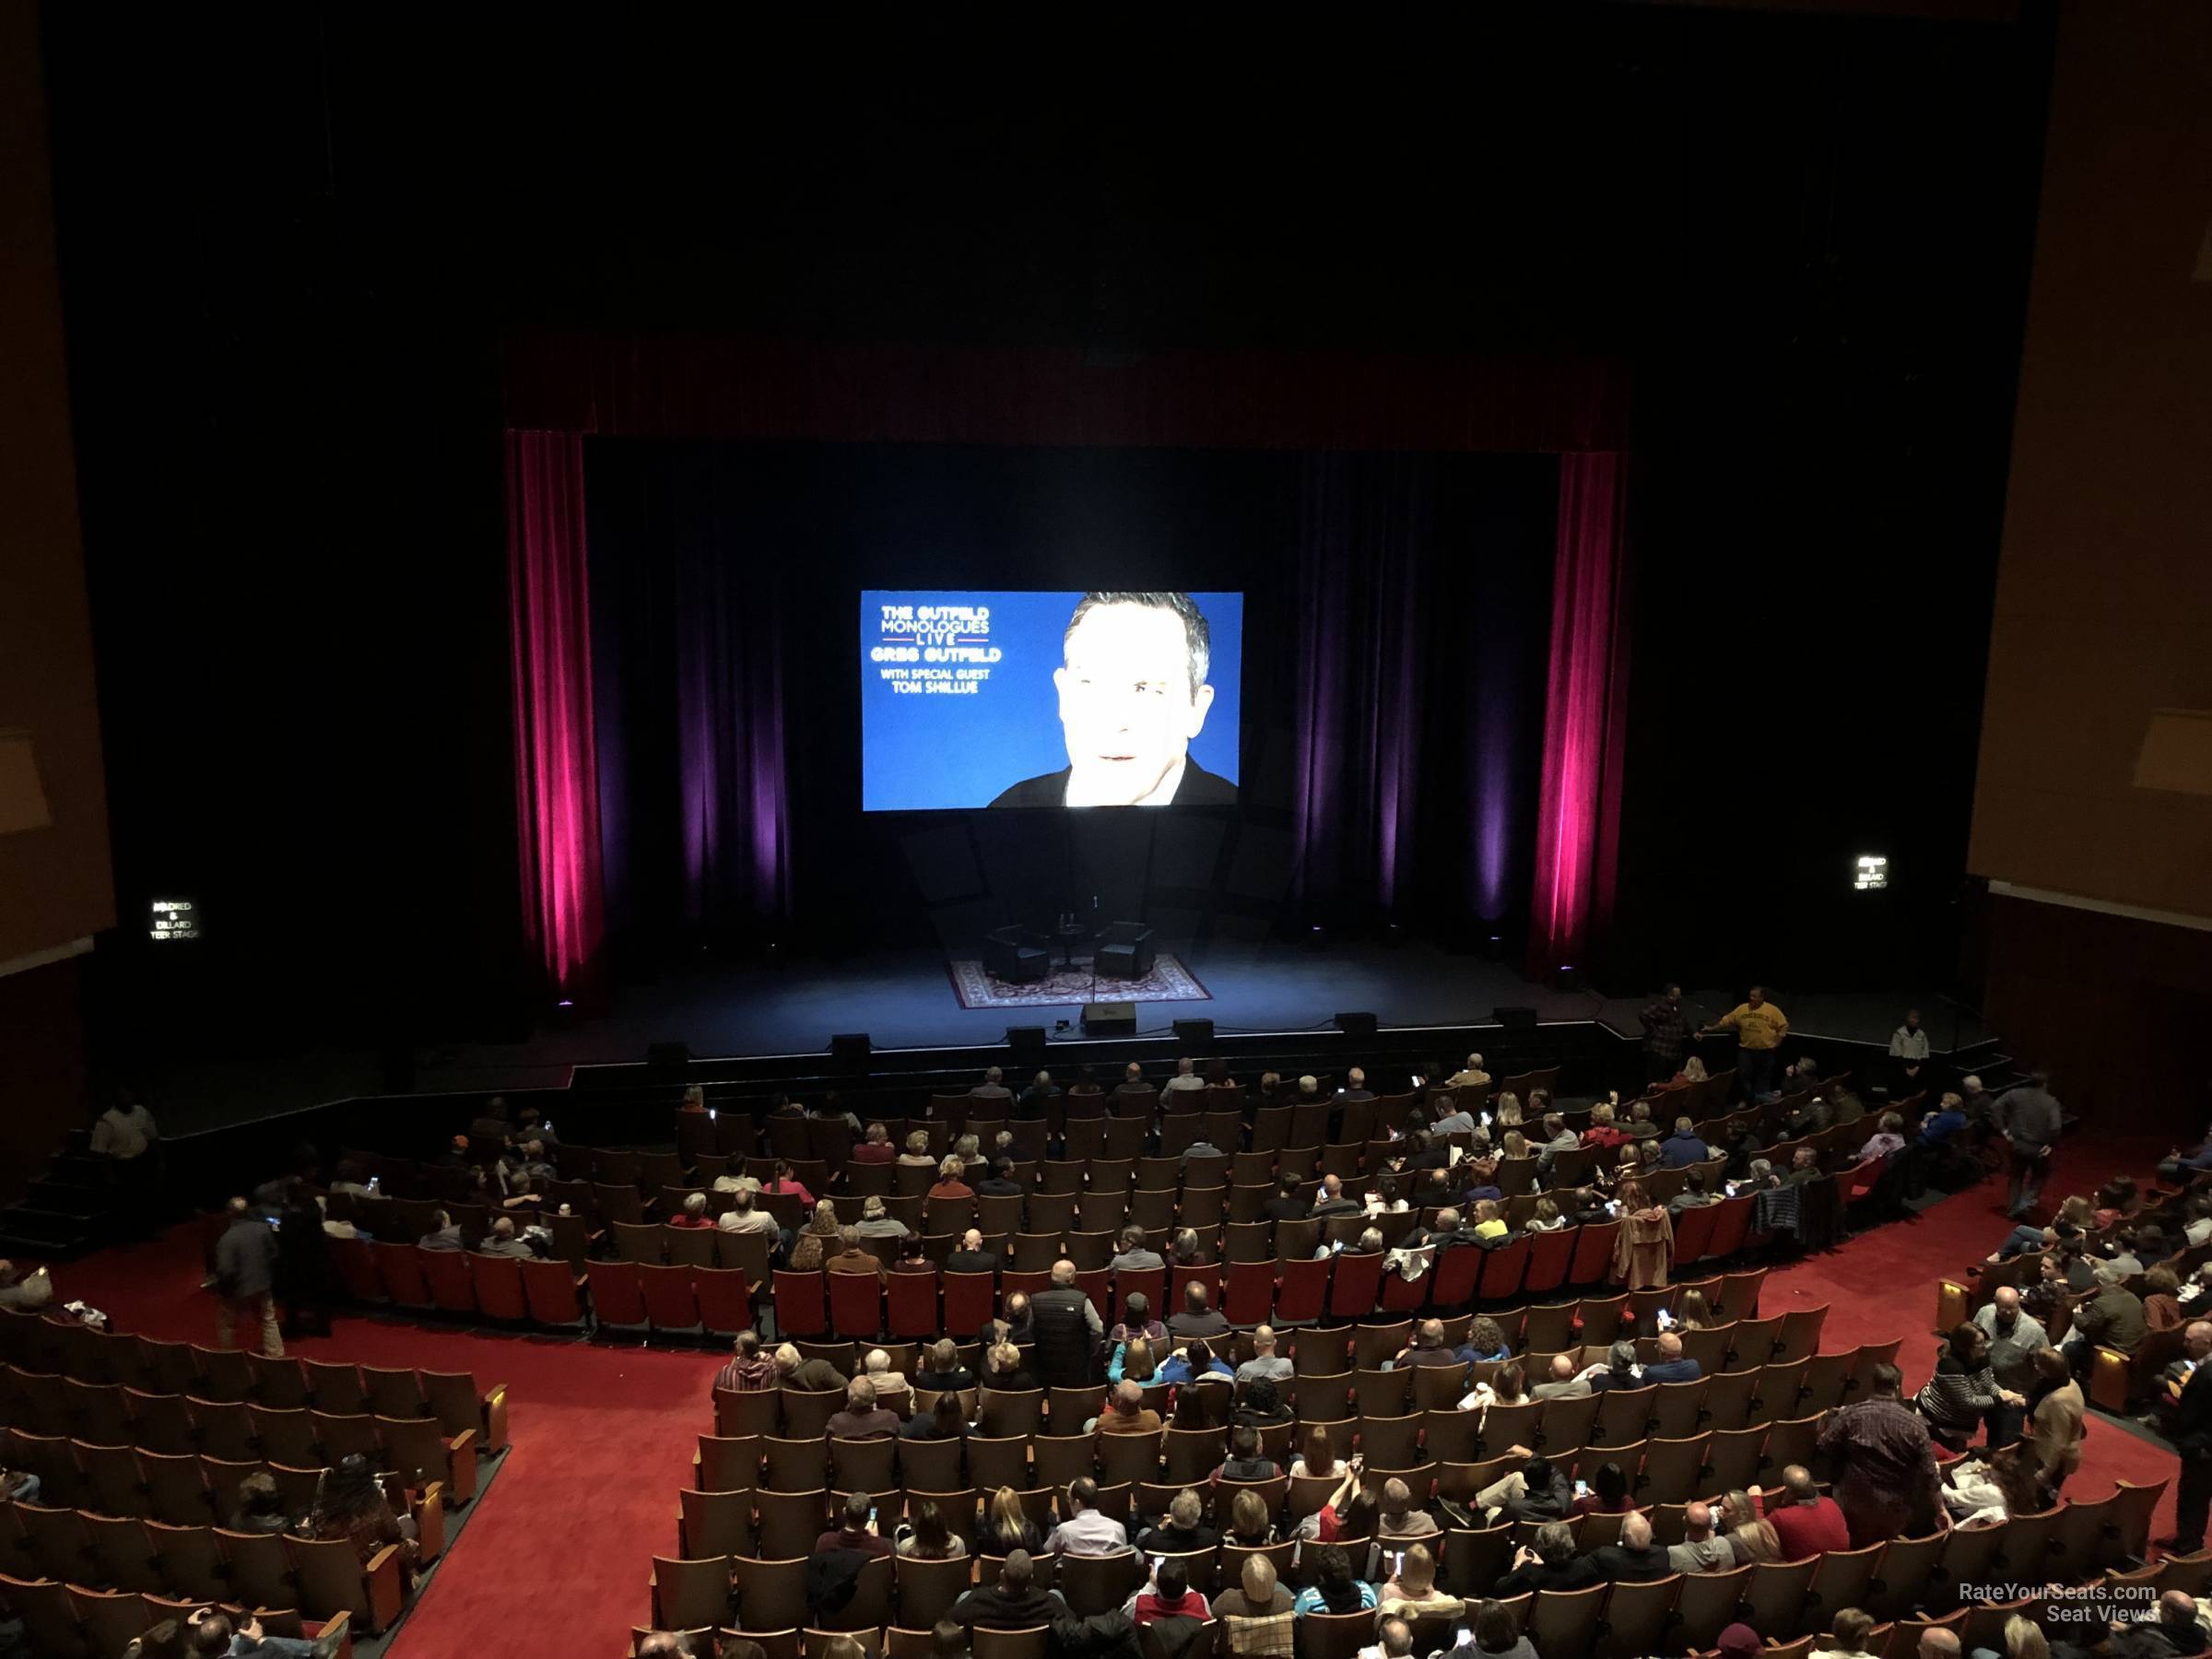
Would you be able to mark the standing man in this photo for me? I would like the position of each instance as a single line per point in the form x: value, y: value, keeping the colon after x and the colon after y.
x: 1759, y: 1029
x: 1666, y: 1030
x: 1068, y: 1329
x: 2192, y: 1433
x: 2028, y: 1117
x: 244, y: 1257
x: 1909, y: 1049
x: 1889, y: 1485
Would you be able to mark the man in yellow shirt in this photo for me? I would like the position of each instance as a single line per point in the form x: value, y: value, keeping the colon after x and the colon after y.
x: 1759, y: 1029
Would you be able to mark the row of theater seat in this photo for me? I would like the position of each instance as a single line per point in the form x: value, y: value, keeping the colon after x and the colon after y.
x: 1905, y: 1582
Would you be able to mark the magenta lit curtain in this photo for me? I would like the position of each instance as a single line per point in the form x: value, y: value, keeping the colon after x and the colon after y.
x: 556, y: 768
x: 1585, y: 715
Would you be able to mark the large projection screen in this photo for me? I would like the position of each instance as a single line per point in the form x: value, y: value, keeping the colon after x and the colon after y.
x: 1013, y: 699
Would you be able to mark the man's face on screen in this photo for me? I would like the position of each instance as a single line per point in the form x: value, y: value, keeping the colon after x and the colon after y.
x: 1126, y: 704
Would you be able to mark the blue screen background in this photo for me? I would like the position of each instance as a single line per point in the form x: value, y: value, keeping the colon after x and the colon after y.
x: 924, y: 752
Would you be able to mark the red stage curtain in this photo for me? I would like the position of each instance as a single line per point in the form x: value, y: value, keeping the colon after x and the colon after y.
x: 1585, y: 716
x: 556, y: 764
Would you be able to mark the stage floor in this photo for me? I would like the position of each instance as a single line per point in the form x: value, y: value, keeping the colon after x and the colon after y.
x: 903, y: 999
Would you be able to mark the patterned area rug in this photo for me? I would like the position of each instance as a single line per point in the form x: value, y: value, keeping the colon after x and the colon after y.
x: 1170, y: 980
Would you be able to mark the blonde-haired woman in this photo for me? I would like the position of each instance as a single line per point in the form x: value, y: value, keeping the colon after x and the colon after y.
x: 1507, y: 1114
x: 916, y: 1155
x: 814, y: 1244
x: 951, y: 1184
x: 1007, y: 1526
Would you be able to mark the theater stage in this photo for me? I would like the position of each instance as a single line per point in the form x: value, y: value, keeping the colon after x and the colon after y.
x: 904, y: 1000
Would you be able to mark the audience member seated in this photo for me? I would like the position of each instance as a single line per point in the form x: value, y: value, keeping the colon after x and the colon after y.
x: 1413, y: 1589
x: 210, y: 1633
x: 1805, y: 1522
x: 1184, y: 1529
x: 1195, y: 1360
x: 1265, y: 1364
x: 352, y: 1505
x: 1551, y: 1563
x: 1702, y: 1549
x: 971, y: 1257
x: 1333, y: 1588
x: 815, y: 1375
x: 852, y: 1258
x: 260, y: 1507
x: 1635, y: 1559
x: 1608, y: 1493
x: 943, y: 1421
x: 1167, y: 1595
x: 862, y: 1418
x: 1564, y: 1382
x: 854, y: 1530
x: 943, y: 1369
x: 876, y: 1148
x: 1198, y: 1318
x: 1258, y: 1593
x: 1250, y: 1523
x: 1126, y: 1412
x: 1536, y: 1491
x: 1005, y: 1526
x: 2113, y: 1318
x: 1083, y: 1530
x: 1318, y: 1455
x: 876, y: 1222
x: 1246, y: 1461
x: 926, y: 1537
x: 1014, y: 1602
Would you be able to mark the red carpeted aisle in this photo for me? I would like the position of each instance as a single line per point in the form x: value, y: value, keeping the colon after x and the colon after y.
x: 556, y: 1560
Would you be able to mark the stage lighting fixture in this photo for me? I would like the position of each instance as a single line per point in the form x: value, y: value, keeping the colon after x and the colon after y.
x: 1871, y: 874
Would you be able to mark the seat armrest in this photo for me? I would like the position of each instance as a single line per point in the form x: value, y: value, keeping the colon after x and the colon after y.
x: 495, y: 1415
x: 429, y: 1522
x: 387, y: 1587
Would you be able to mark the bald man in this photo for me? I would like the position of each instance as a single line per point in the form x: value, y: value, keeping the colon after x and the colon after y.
x: 1564, y: 1383
x: 2175, y: 1630
x: 1937, y: 1644
x: 1635, y: 1559
x: 1702, y: 1549
x: 1068, y: 1329
x: 970, y: 1257
x: 1673, y: 1365
x: 2014, y: 1338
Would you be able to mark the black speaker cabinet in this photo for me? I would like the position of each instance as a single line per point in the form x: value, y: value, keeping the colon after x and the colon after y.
x: 1356, y: 1025
x: 1109, y: 1019
x: 1026, y: 1041
x: 1194, y: 1034
x: 668, y: 1056
x: 849, y: 1051
x: 1516, y: 1019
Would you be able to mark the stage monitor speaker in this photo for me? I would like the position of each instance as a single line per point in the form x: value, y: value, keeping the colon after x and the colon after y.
x: 1356, y: 1025
x: 1194, y: 1034
x: 850, y: 1051
x: 1026, y: 1041
x: 1109, y: 1019
x: 668, y: 1056
x: 1516, y: 1019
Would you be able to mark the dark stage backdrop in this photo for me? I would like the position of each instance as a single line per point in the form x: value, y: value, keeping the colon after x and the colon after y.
x: 1397, y: 639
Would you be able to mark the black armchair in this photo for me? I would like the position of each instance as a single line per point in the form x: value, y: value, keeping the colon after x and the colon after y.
x: 1017, y: 954
x: 1125, y: 951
